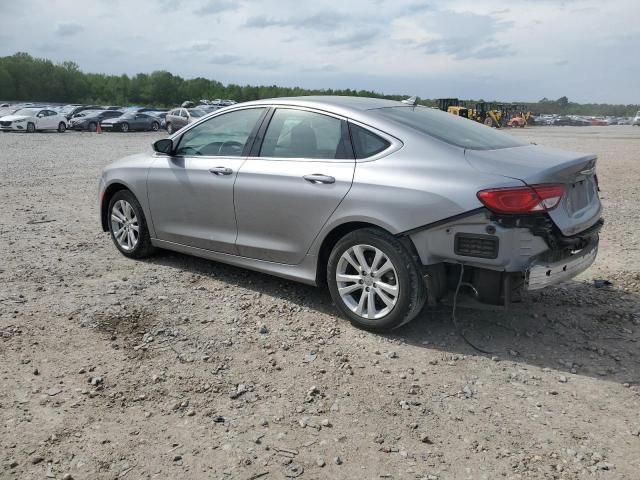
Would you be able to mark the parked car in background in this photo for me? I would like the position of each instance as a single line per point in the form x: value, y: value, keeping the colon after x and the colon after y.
x: 161, y: 116
x: 33, y: 119
x: 89, y: 119
x: 81, y: 108
x: 636, y: 120
x: 131, y: 121
x: 391, y: 205
x: 599, y: 122
x: 179, y: 117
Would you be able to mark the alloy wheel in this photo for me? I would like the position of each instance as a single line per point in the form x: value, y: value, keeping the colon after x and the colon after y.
x: 124, y: 225
x: 367, y: 281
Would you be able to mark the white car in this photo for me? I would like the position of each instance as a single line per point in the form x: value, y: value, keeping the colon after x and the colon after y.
x: 636, y: 120
x: 32, y: 119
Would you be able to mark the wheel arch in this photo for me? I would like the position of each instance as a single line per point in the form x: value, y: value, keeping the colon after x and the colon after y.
x: 109, y: 192
x: 337, y: 232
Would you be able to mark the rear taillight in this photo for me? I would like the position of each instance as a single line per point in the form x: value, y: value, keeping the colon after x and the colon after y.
x: 531, y: 199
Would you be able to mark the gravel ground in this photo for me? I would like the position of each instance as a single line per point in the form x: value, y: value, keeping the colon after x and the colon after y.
x: 181, y: 368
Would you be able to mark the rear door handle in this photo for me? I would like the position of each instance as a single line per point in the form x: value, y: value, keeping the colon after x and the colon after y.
x: 221, y: 170
x: 319, y: 178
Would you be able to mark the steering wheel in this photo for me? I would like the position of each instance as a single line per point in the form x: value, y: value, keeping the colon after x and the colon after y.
x: 229, y: 143
x: 188, y: 150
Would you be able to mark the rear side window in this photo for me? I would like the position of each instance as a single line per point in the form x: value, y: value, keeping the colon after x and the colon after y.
x: 301, y: 134
x: 450, y: 128
x: 366, y: 143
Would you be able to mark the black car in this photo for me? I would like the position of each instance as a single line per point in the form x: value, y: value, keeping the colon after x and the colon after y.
x: 132, y: 121
x: 90, y: 119
x: 79, y: 109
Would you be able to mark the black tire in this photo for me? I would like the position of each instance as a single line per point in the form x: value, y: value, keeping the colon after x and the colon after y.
x: 169, y: 128
x: 124, y: 127
x: 155, y: 126
x: 31, y: 127
x: 92, y: 127
x: 143, y: 248
x: 62, y: 127
x: 411, y: 288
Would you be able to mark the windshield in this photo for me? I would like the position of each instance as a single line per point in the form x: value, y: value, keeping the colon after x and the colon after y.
x: 196, y: 112
x: 28, y: 112
x: 450, y: 128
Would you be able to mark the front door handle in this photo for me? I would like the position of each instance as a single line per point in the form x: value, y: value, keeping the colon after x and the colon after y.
x: 319, y: 178
x: 221, y: 170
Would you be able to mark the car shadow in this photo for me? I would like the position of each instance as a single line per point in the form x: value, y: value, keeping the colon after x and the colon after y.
x: 573, y: 327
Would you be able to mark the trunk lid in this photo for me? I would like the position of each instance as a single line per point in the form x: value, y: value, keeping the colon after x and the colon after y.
x: 580, y: 206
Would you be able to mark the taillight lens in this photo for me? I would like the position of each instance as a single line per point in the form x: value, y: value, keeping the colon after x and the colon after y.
x: 531, y: 199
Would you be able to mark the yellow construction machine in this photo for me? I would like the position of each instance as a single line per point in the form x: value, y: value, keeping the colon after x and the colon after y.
x: 482, y: 112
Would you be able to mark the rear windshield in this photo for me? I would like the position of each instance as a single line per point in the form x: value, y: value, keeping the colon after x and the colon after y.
x: 450, y: 128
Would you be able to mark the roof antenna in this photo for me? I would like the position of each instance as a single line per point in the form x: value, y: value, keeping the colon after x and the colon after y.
x: 410, y: 100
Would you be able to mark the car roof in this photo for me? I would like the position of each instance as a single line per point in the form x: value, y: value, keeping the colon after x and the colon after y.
x: 335, y: 102
x: 360, y: 109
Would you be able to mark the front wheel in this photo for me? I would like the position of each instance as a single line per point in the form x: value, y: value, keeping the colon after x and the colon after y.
x: 169, y: 128
x: 93, y: 127
x: 155, y: 126
x: 374, y: 280
x: 31, y: 127
x: 62, y: 127
x: 128, y: 226
x: 124, y: 127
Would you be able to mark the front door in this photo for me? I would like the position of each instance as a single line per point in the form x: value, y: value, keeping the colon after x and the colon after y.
x: 191, y: 192
x: 286, y: 193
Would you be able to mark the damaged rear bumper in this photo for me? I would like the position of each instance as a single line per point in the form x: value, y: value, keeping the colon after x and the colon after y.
x: 545, y: 273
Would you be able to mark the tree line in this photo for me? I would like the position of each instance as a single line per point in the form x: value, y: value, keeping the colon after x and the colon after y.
x: 26, y: 78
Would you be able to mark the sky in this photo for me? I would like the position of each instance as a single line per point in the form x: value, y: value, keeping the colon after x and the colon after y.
x: 516, y: 50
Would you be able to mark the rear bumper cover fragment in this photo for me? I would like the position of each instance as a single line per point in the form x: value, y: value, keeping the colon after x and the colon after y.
x: 542, y: 274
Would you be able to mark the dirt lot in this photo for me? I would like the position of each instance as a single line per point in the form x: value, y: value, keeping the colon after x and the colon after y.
x: 181, y: 368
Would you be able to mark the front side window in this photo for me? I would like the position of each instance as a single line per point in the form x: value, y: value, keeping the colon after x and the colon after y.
x: 224, y: 135
x: 301, y: 134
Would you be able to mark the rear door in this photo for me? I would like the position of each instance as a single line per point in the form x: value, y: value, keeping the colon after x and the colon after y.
x: 294, y: 180
x: 191, y: 192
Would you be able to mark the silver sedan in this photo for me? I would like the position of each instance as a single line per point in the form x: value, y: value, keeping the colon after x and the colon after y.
x: 389, y: 204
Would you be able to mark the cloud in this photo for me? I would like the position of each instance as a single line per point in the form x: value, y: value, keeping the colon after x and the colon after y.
x: 318, y: 21
x: 464, y: 35
x: 68, y: 29
x: 355, y: 39
x: 216, y: 6
x: 238, y: 61
x: 223, y: 59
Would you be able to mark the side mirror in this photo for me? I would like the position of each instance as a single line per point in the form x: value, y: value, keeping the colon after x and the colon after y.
x: 164, y: 145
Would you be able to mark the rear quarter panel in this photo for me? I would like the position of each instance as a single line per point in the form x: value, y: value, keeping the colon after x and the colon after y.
x: 423, y: 182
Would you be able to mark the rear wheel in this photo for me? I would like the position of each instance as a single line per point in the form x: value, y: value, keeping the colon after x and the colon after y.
x: 124, y: 127
x: 62, y: 127
x: 488, y: 122
x: 31, y: 127
x: 374, y: 280
x: 155, y: 126
x: 128, y: 226
x: 169, y: 128
x: 93, y: 127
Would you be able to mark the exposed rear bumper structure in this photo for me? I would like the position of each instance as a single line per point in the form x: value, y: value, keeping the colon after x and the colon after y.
x: 542, y: 274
